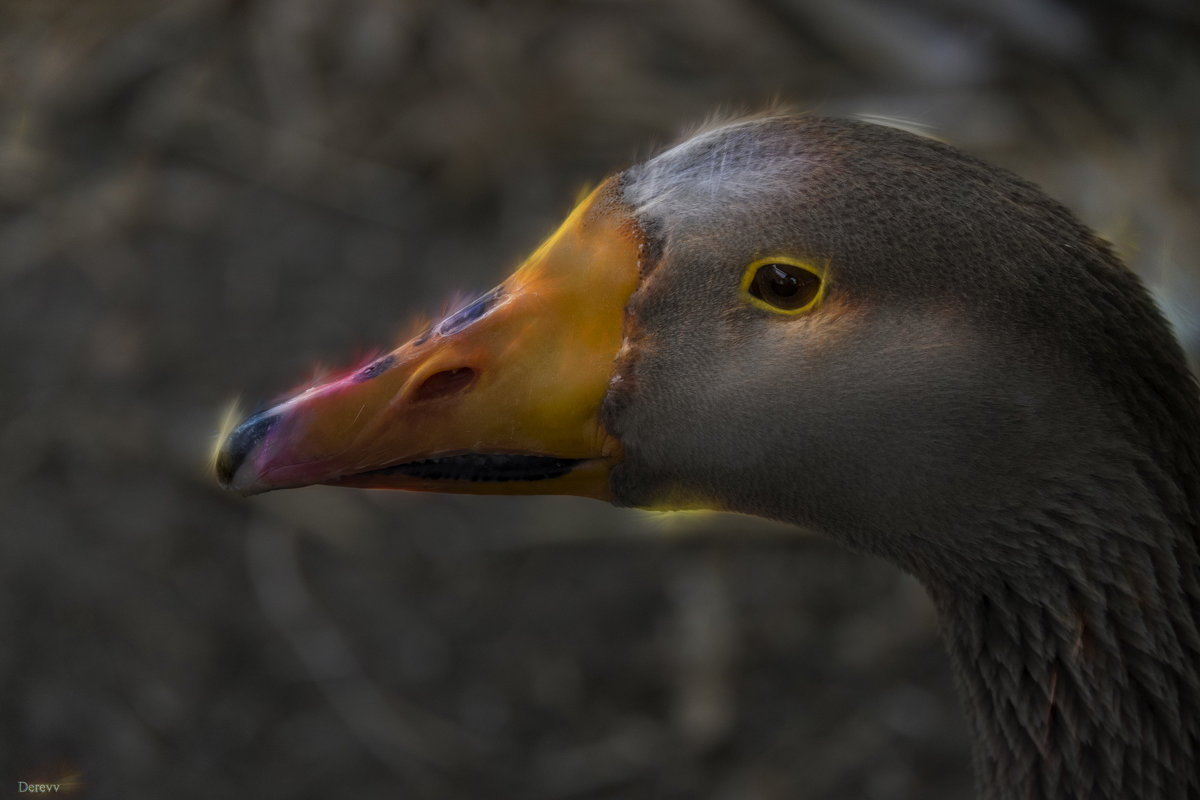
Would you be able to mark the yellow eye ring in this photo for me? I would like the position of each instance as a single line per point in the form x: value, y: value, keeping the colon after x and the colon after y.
x: 783, y: 285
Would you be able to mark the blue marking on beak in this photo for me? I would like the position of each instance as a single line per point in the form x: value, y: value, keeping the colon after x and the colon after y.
x: 469, y: 313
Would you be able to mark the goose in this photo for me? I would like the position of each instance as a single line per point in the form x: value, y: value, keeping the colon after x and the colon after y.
x: 871, y: 335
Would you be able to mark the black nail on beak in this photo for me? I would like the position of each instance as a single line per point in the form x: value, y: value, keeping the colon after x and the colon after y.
x: 240, y: 442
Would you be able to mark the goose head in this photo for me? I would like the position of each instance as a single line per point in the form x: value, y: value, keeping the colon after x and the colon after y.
x: 835, y: 324
x: 860, y: 331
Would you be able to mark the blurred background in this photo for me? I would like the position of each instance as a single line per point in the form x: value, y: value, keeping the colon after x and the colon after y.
x: 202, y: 200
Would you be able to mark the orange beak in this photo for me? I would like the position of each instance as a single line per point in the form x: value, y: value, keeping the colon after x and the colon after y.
x: 501, y: 397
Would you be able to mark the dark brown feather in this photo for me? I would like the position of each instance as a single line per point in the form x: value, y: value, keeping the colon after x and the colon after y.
x: 986, y: 396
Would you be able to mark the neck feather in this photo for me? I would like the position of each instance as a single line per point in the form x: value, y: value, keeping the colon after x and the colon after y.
x: 1080, y: 669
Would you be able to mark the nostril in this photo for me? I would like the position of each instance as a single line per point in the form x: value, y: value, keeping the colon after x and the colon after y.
x: 444, y: 383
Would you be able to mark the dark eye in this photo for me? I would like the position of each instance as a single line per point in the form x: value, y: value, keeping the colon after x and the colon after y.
x: 787, y: 287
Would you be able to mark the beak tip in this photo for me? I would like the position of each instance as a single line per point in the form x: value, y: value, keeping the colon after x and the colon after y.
x: 225, y: 467
x: 241, y: 482
x: 234, y: 451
